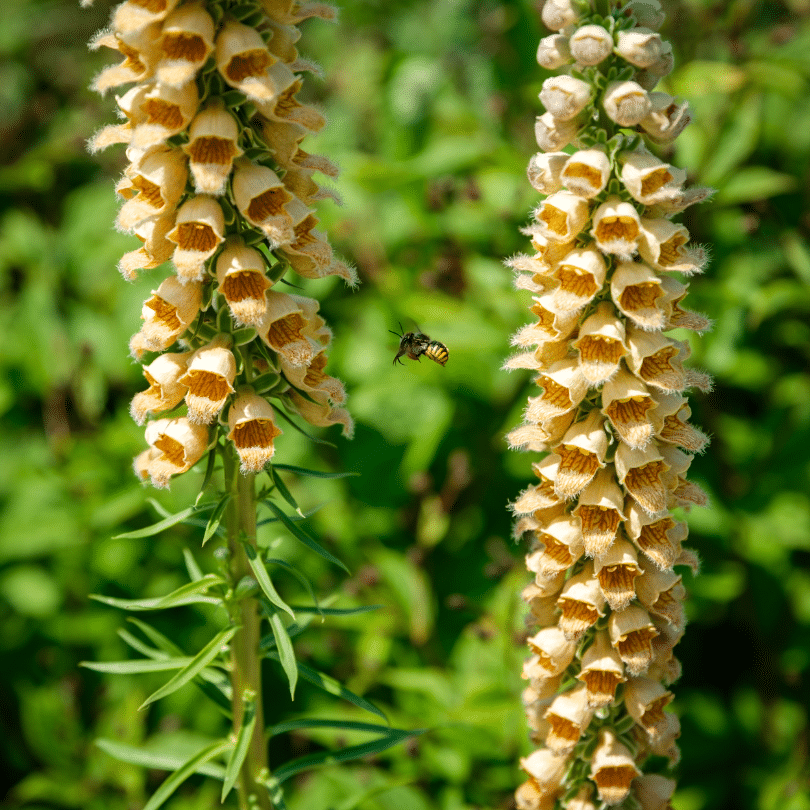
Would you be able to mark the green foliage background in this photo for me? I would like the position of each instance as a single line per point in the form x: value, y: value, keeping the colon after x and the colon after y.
x: 431, y: 106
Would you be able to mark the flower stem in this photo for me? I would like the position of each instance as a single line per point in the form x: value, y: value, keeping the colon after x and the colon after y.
x: 246, y: 676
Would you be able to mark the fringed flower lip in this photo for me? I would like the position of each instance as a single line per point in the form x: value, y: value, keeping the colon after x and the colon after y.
x: 186, y: 42
x: 252, y: 428
x: 209, y: 379
x: 243, y: 283
x: 177, y: 445
x: 198, y: 232
x: 263, y: 200
x: 165, y: 389
x: 212, y: 147
x: 156, y: 248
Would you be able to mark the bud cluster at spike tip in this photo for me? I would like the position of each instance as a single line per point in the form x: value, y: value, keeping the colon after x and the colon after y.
x: 607, y: 278
x: 218, y: 185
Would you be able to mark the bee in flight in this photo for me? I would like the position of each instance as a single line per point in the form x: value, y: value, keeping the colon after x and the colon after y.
x: 415, y: 344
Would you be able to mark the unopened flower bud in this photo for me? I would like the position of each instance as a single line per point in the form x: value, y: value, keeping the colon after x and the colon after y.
x: 553, y: 52
x: 639, y: 46
x: 591, y: 44
x: 626, y: 103
x: 565, y: 97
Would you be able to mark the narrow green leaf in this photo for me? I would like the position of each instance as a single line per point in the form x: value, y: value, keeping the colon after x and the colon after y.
x: 283, y: 491
x: 300, y: 577
x: 156, y: 637
x: 263, y: 578
x: 203, y: 658
x: 194, y: 571
x: 140, y: 646
x: 286, y: 654
x: 240, y: 750
x: 301, y: 430
x: 346, y: 725
x: 343, y: 755
x: 158, y: 603
x: 303, y: 537
x: 268, y: 642
x: 333, y: 687
x: 147, y: 759
x: 216, y: 518
x: 136, y: 666
x: 293, y: 518
x: 314, y: 473
x: 335, y: 611
x: 184, y: 771
x: 191, y: 588
x: 209, y: 472
x: 156, y: 528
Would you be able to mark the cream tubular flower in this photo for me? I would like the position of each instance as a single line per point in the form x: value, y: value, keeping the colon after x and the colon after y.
x: 626, y: 103
x: 540, y: 497
x: 546, y: 771
x: 600, y: 511
x: 581, y: 275
x: 670, y: 421
x: 591, y: 44
x: 209, y: 378
x: 662, y: 243
x: 178, y: 445
x: 616, y: 228
x: 553, y: 52
x: 211, y: 149
x: 602, y: 671
x: 262, y: 199
x: 616, y: 570
x: 166, y: 111
x: 562, y: 216
x: 558, y: 14
x: 637, y: 292
x: 650, y: 180
x: 587, y: 172
x: 545, y: 169
x: 252, y: 429
x: 679, y: 318
x: 135, y: 15
x: 187, y: 40
x: 582, y: 453
x: 153, y: 188
x: 552, y: 325
x: 539, y: 437
x: 569, y: 716
x: 612, y: 768
x: 662, y: 593
x: 645, y: 700
x: 542, y: 609
x: 166, y: 315
x: 242, y: 282
x: 565, y: 97
x: 601, y: 344
x: 554, y: 651
x: 139, y: 52
x: 165, y: 389
x: 552, y: 134
x: 583, y: 800
x: 156, y: 247
x: 562, y: 546
x: 581, y: 603
x: 631, y: 634
x: 627, y: 403
x: 654, y: 791
x: 639, y: 46
x: 288, y: 327
x: 658, y: 538
x: 198, y: 232
x: 312, y: 380
x: 322, y: 414
x: 641, y: 472
x: 666, y: 119
x: 656, y: 359
x: 287, y: 109
x: 563, y: 389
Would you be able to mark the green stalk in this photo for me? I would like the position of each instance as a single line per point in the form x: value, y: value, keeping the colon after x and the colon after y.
x: 246, y: 675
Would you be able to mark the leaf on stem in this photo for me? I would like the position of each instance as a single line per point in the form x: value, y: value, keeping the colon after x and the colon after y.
x: 283, y: 491
x: 149, y: 759
x: 285, y: 654
x: 157, y: 528
x: 302, y: 471
x: 136, y: 666
x: 263, y: 578
x: 240, y: 750
x: 216, y: 518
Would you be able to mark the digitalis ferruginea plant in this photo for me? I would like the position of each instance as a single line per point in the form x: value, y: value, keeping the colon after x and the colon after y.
x: 607, y: 276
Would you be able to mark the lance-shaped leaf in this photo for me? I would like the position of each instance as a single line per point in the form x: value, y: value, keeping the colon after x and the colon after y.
x: 157, y: 528
x: 195, y: 573
x: 342, y: 725
x: 283, y: 491
x: 154, y: 760
x: 300, y: 577
x: 286, y: 654
x: 216, y: 518
x: 263, y: 578
x: 299, y: 534
x: 335, y: 611
x: 302, y: 471
x: 136, y: 666
x: 188, y: 594
x: 204, y: 657
x: 240, y: 750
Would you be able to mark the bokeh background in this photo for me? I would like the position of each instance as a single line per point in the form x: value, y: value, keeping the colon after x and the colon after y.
x: 431, y: 106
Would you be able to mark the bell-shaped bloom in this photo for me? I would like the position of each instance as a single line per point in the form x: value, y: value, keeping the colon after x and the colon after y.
x: 242, y: 282
x: 285, y: 108
x: 587, y: 172
x: 554, y: 652
x: 545, y: 170
x: 582, y: 453
x: 569, y: 716
x: 670, y: 420
x: 152, y: 188
x: 552, y: 325
x: 662, y: 245
x: 292, y: 328
x: 540, y: 436
x: 645, y: 700
x: 561, y: 542
x: 211, y: 148
x: 662, y: 594
x: 657, y: 359
x: 186, y: 40
x: 666, y: 118
x: 558, y: 14
x: 140, y: 56
x: 641, y: 473
x: 553, y: 134
x: 542, y: 609
x: 650, y: 180
x: 540, y: 497
x: 546, y: 772
x: 565, y: 97
x: 631, y: 634
x: 580, y: 275
x: 562, y: 216
x: 177, y: 445
x: 564, y: 388
x: 627, y: 103
x: 165, y: 389
x: 135, y: 15
x: 209, y: 379
x: 658, y: 538
x: 166, y: 315
x: 262, y: 199
x: 322, y: 414
x: 601, y: 344
x: 627, y: 403
x: 600, y: 511
x: 198, y: 232
x: 581, y: 603
x: 616, y: 228
x: 613, y: 768
x: 639, y: 46
x: 591, y: 44
x: 313, y: 381
x: 156, y: 248
x: 616, y: 571
x: 653, y: 791
x: 637, y: 292
x: 252, y: 429
x: 553, y: 51
x: 602, y: 671
x: 165, y: 111
x: 677, y: 317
